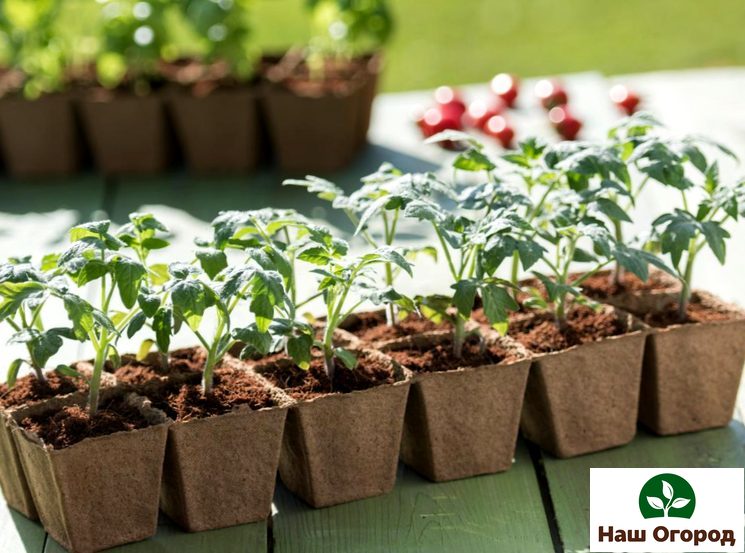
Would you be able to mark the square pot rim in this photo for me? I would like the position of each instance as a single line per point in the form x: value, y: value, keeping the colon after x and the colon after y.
x: 31, y: 437
x: 639, y: 328
x: 176, y: 91
x: 405, y: 380
x: 438, y: 336
x: 107, y: 381
x: 715, y: 301
x: 675, y: 285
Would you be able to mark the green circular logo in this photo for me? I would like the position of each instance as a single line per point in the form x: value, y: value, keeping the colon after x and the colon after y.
x: 667, y: 495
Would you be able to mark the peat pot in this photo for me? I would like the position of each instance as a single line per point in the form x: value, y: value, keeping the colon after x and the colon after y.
x: 463, y: 422
x: 102, y: 491
x: 585, y: 398
x: 692, y: 371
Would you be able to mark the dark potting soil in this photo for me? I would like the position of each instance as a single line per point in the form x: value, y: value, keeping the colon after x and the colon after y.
x: 29, y: 389
x: 231, y: 387
x: 697, y: 312
x: 371, y: 326
x: 440, y: 357
x: 301, y: 384
x: 602, y: 285
x: 181, y: 361
x: 540, y: 333
x: 73, y: 424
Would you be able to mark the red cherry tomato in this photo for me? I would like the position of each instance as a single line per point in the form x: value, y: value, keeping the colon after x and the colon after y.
x: 450, y: 102
x: 565, y: 123
x: 480, y: 111
x: 498, y: 127
x: 506, y: 87
x: 626, y: 100
x: 551, y: 93
x: 433, y: 121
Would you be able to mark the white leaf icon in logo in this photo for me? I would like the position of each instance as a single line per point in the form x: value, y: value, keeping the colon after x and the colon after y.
x: 655, y: 502
x: 667, y: 490
x: 680, y: 503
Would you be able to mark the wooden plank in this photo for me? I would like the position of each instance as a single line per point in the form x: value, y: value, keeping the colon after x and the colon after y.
x: 19, y: 534
x: 249, y: 538
x: 569, y: 479
x: 502, y: 512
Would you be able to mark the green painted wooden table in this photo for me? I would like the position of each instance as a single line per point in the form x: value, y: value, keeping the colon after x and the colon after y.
x: 542, y: 503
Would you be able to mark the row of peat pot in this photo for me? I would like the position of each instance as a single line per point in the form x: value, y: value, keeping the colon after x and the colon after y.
x: 332, y: 448
x: 231, y: 129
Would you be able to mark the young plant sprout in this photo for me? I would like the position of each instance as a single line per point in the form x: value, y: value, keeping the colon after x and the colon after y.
x: 24, y: 294
x: 345, y: 28
x: 144, y: 234
x: 94, y: 256
x: 683, y: 233
x: 474, y: 249
x: 571, y: 223
x: 216, y: 286
x: 381, y: 199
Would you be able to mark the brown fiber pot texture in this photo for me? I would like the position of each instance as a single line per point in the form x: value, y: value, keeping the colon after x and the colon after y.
x: 220, y: 132
x: 313, y: 133
x: 343, y: 447
x: 100, y: 492
x: 40, y: 137
x: 585, y: 398
x: 220, y: 471
x: 640, y: 302
x: 463, y: 422
x: 13, y: 481
x: 692, y: 373
x: 128, y: 134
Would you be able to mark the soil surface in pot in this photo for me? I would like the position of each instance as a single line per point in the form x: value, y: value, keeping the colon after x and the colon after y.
x: 182, y: 361
x: 73, y: 424
x: 337, y: 77
x: 371, y: 326
x: 29, y: 389
x: 697, y: 312
x: 230, y: 387
x: 602, y: 285
x: 370, y: 371
x: 440, y: 357
x: 540, y: 333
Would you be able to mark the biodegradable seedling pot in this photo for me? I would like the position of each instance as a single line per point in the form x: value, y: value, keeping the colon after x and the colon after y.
x: 40, y: 137
x: 220, y: 471
x: 100, y: 492
x: 692, y: 372
x: 128, y: 134
x: 314, y: 133
x: 463, y: 422
x: 355, y: 323
x: 585, y: 398
x: 343, y: 447
x: 219, y: 132
x: 664, y: 293
x: 12, y: 478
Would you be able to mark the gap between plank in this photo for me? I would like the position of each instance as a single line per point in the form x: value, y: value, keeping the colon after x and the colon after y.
x: 548, y: 505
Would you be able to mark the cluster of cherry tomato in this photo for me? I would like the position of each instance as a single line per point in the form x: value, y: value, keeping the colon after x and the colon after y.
x: 489, y: 116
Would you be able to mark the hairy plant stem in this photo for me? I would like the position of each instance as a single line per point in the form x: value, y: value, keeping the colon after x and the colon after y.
x: 685, y: 291
x: 208, y: 373
x: 617, y: 272
x: 459, y: 336
x: 98, y: 365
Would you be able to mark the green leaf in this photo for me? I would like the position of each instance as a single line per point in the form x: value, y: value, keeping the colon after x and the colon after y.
x: 497, y: 303
x: 162, y: 326
x: 144, y: 349
x: 154, y: 243
x: 464, y: 297
x: 80, y: 313
x: 148, y: 301
x: 12, y: 374
x: 260, y: 341
x: 612, y: 210
x: 473, y: 160
x: 348, y: 359
x: 129, y: 277
x: 263, y: 310
x: 67, y: 370
x: 715, y: 238
x: 212, y: 261
x: 189, y: 302
x: 137, y: 322
x: 299, y: 348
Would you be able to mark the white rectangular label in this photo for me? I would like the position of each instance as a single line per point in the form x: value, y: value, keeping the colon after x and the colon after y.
x: 664, y: 509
